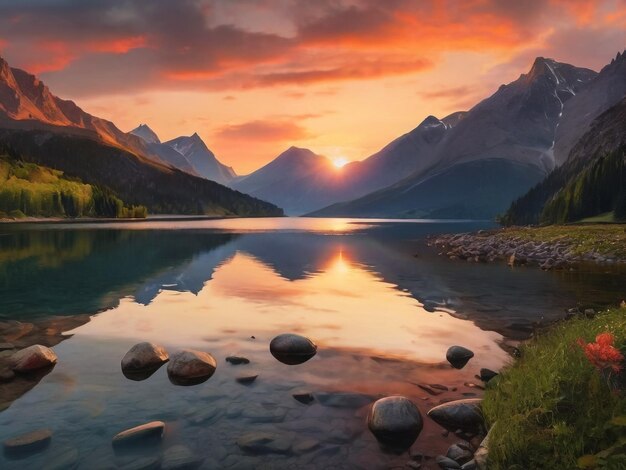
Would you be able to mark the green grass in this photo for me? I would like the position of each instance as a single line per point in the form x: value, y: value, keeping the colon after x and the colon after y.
x: 552, y: 408
x: 607, y: 217
x: 607, y: 239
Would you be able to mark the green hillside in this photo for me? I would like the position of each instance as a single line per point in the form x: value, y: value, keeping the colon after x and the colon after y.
x: 28, y: 189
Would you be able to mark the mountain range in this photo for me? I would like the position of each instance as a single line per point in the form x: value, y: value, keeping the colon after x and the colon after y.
x: 469, y: 164
x: 41, y: 128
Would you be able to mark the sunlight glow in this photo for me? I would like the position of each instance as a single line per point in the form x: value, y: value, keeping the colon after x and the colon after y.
x: 339, y: 162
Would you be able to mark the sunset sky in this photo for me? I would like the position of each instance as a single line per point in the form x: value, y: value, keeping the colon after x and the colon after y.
x: 252, y: 77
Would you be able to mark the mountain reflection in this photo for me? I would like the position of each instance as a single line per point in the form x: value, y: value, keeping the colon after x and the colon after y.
x: 72, y: 271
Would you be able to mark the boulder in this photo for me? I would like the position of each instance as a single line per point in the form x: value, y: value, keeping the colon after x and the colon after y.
x: 458, y: 356
x: 33, y: 358
x: 34, y: 441
x: 144, y: 356
x: 465, y: 415
x: 292, y: 349
x: 180, y: 457
x: 395, y: 421
x: 149, y: 431
x: 189, y: 367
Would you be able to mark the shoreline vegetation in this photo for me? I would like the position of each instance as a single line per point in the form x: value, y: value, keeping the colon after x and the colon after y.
x: 31, y: 190
x: 549, y: 247
x: 552, y: 409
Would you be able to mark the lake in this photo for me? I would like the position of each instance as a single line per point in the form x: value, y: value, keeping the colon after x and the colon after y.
x: 380, y: 304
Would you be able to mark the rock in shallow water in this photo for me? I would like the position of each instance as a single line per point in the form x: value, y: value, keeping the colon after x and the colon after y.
x: 458, y: 356
x: 465, y: 415
x: 265, y: 443
x: 189, y: 367
x: 153, y: 430
x: 30, y: 442
x: 447, y: 463
x: 487, y: 374
x: 144, y: 356
x: 460, y: 453
x: 246, y: 379
x: 179, y: 457
x: 33, y: 358
x: 292, y: 349
x: 395, y: 421
x: 237, y: 360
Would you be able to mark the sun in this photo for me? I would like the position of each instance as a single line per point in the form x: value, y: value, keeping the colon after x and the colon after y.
x: 339, y: 162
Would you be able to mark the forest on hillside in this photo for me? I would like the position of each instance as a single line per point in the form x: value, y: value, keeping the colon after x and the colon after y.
x: 574, y: 191
x: 28, y: 189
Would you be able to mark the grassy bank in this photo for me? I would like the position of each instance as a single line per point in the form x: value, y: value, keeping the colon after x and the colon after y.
x: 552, y: 409
x: 606, y: 239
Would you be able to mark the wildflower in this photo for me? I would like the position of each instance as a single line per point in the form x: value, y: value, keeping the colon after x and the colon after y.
x: 603, y: 354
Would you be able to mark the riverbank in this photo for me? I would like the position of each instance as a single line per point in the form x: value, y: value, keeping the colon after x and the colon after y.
x: 108, y: 220
x: 552, y: 408
x: 551, y: 247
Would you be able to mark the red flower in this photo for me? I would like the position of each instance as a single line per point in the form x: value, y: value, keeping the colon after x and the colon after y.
x: 602, y: 354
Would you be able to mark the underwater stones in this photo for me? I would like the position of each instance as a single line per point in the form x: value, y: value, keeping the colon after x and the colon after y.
x: 190, y: 367
x: 306, y: 398
x: 460, y: 453
x: 180, y: 457
x: 237, y: 360
x: 292, y: 349
x: 344, y: 399
x: 259, y: 443
x: 465, y: 415
x: 142, y: 360
x: 33, y: 358
x: 63, y: 459
x: 149, y: 431
x: 458, y: 356
x: 246, y: 379
x: 395, y: 421
x: 33, y: 441
x: 447, y: 463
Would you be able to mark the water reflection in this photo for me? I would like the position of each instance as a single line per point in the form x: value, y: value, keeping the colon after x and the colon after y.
x: 381, y: 317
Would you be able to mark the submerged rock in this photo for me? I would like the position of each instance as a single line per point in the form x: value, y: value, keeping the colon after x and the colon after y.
x: 447, y: 463
x: 305, y: 398
x: 246, y: 379
x: 153, y: 430
x: 33, y: 358
x: 344, y: 399
x: 460, y: 453
x: 64, y: 459
x: 190, y: 367
x: 458, y: 356
x: 34, y: 441
x: 237, y: 360
x: 292, y: 349
x: 465, y: 415
x: 395, y: 421
x: 265, y: 443
x: 179, y: 457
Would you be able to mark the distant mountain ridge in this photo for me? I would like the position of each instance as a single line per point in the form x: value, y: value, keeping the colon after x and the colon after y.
x: 507, y: 142
x: 41, y: 128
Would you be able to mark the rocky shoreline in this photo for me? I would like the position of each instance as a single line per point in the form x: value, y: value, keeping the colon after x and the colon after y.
x: 518, y: 250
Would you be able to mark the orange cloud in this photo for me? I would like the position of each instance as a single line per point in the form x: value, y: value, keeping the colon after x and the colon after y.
x: 263, y: 131
x: 457, y: 92
x: 118, y: 46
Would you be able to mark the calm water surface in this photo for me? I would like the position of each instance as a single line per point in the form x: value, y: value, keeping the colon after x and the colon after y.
x: 382, y: 307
